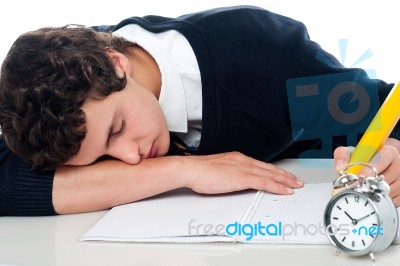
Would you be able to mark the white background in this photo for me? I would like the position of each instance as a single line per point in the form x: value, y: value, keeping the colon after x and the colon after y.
x: 368, y: 24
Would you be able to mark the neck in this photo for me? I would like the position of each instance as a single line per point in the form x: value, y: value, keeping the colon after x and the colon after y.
x: 145, y: 69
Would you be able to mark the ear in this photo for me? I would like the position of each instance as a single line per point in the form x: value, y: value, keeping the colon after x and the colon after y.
x: 120, y: 61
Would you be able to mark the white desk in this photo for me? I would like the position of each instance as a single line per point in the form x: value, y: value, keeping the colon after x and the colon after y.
x: 55, y: 241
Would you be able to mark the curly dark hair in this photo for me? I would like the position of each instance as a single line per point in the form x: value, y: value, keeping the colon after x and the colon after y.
x: 44, y: 81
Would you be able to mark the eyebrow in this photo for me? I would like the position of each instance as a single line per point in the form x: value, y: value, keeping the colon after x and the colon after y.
x: 110, y: 129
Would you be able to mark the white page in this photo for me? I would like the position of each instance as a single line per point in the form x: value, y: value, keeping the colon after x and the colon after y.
x: 165, y: 217
x: 298, y: 218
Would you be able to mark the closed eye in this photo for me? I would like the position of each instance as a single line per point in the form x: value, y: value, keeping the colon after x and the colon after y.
x: 121, y: 130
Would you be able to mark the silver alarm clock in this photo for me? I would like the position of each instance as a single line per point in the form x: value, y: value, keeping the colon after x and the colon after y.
x: 361, y: 219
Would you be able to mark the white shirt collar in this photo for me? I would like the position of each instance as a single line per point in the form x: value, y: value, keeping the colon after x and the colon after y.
x: 172, y: 96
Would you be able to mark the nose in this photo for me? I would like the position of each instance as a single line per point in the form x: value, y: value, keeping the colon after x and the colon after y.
x: 126, y: 152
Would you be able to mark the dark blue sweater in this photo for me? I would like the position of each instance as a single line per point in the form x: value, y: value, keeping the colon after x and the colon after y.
x: 248, y: 59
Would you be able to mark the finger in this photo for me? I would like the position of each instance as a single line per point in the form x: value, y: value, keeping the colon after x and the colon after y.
x: 271, y: 167
x: 269, y: 185
x: 396, y: 201
x: 271, y: 171
x: 392, y: 177
x: 382, y: 161
x: 277, y: 175
x: 395, y: 189
x: 341, y: 157
x: 283, y: 177
x: 288, y: 179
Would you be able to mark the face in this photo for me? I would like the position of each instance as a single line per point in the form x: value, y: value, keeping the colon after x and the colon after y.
x: 128, y: 125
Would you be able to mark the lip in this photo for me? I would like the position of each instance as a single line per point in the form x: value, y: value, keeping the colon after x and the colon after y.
x: 152, y: 152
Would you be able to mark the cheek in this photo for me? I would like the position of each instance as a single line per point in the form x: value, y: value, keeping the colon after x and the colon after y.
x: 80, y: 160
x: 91, y: 149
x: 153, y: 119
x: 152, y: 123
x: 162, y: 123
x: 144, y: 116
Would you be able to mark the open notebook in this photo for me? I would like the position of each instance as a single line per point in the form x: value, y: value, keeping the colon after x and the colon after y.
x: 184, y: 216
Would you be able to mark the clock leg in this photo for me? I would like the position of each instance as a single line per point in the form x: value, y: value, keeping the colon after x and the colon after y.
x: 372, y: 256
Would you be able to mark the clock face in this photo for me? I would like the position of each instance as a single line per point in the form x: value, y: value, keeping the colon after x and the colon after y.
x: 352, y: 221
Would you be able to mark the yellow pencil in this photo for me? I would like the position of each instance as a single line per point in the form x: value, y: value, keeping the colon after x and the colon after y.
x: 378, y: 131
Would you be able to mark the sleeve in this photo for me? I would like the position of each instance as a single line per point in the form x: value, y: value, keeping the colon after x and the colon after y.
x: 322, y: 69
x: 328, y: 101
x: 396, y: 132
x: 23, y: 191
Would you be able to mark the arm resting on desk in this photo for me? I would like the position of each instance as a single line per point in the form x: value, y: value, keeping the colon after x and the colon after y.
x: 111, y: 182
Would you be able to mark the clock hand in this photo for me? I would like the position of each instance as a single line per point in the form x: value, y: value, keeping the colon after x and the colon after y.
x: 348, y: 215
x: 354, y: 221
x: 363, y: 218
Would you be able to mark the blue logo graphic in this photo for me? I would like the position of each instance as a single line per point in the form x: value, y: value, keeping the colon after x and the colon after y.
x: 343, y: 44
x: 251, y: 230
x: 333, y: 105
x: 277, y: 230
x: 372, y: 230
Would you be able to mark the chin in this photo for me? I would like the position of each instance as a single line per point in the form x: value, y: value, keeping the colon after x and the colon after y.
x: 163, y: 151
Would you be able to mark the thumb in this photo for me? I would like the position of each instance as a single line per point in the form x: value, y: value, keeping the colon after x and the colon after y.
x: 341, y: 157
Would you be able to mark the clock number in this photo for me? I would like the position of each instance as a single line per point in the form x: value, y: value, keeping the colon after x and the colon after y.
x: 356, y: 198
x: 353, y: 244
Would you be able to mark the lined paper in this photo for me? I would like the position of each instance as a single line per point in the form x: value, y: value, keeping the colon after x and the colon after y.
x: 168, y: 217
x: 182, y: 216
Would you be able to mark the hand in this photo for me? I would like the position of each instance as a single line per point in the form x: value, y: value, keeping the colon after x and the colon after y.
x: 386, y: 161
x: 233, y: 171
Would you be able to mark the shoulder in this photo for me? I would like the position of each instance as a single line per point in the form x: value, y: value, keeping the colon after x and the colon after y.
x: 243, y: 10
x: 239, y: 15
x: 4, y: 151
x: 8, y: 161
